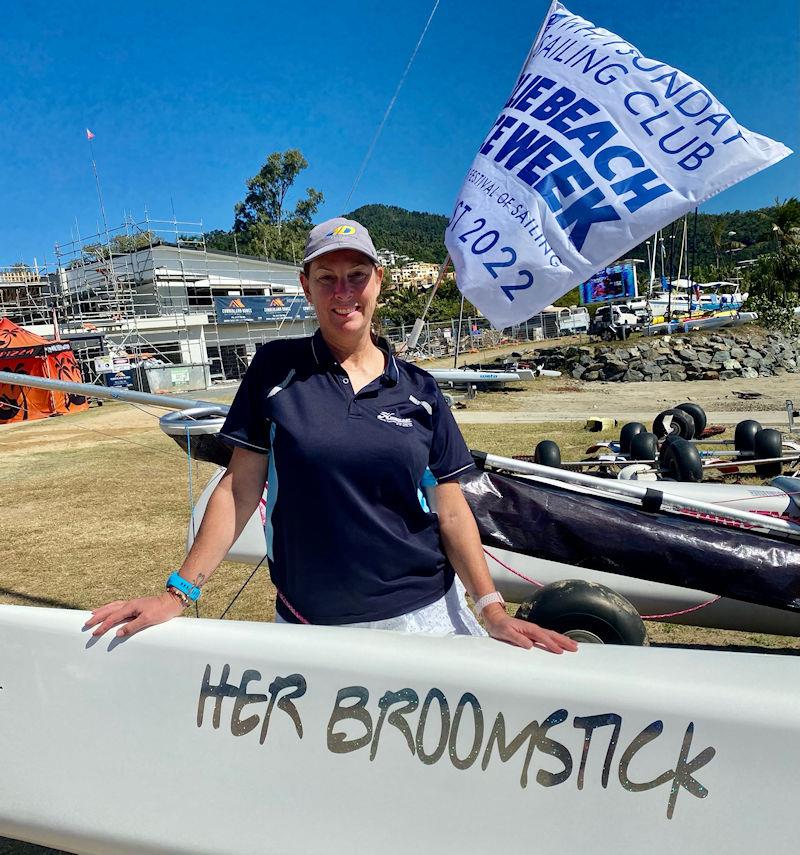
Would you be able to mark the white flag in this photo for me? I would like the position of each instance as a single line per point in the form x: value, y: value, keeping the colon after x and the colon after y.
x: 596, y: 149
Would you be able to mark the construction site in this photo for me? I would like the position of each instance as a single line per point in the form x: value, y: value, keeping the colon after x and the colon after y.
x: 149, y: 304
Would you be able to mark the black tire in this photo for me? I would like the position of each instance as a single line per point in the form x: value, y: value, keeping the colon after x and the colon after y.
x: 628, y: 432
x: 547, y: 453
x: 585, y: 611
x: 644, y: 446
x: 665, y: 444
x: 768, y: 443
x: 680, y: 424
x: 698, y: 414
x: 745, y: 435
x: 607, y: 334
x: 681, y: 461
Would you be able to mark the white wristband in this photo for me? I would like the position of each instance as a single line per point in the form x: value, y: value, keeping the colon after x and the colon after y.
x: 488, y: 599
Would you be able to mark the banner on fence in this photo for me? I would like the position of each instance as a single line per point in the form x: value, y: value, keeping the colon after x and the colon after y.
x: 237, y: 310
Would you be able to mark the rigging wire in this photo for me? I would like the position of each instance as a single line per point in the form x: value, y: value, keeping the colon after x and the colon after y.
x: 390, y: 107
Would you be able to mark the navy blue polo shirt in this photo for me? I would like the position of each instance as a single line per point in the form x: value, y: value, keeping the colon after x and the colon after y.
x: 349, y: 535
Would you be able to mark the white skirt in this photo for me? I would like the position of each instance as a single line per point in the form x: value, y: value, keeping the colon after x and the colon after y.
x: 449, y: 615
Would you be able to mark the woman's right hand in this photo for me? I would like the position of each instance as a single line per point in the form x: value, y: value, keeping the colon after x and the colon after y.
x: 134, y: 615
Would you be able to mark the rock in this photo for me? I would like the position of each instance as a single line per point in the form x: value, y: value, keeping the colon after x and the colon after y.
x: 737, y: 353
x: 677, y: 375
x: 728, y: 375
x: 710, y: 375
x: 578, y: 372
x: 749, y: 372
x: 591, y: 375
x: 721, y: 356
x: 731, y: 365
x: 631, y: 375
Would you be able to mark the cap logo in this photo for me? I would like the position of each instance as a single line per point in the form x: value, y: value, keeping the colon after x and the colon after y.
x: 342, y: 230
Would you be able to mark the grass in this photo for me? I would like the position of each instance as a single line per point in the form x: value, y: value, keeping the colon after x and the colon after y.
x: 100, y: 506
x: 97, y: 505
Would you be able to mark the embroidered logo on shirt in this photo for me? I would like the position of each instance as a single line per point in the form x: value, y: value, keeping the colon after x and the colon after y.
x: 394, y: 420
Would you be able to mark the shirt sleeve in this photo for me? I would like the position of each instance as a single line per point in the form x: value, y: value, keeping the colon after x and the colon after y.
x: 449, y: 455
x: 246, y: 424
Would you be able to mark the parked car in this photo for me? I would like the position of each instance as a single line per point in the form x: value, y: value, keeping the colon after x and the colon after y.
x: 614, y: 321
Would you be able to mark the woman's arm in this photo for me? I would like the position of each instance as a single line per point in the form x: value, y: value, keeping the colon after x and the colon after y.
x: 231, y: 505
x: 462, y: 544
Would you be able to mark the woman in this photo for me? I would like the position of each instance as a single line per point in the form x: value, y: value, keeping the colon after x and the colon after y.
x: 343, y: 434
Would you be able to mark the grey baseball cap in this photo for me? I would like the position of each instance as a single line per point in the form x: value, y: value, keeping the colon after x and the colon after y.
x: 339, y: 233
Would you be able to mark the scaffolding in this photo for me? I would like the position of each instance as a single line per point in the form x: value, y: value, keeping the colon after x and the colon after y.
x: 149, y: 287
x: 26, y: 294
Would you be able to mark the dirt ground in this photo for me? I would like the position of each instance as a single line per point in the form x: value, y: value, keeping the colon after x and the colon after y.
x: 553, y: 399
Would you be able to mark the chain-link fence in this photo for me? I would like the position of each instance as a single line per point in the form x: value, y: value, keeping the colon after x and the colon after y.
x: 445, y: 338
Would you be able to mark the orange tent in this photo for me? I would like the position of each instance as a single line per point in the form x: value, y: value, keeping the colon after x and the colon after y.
x: 24, y: 352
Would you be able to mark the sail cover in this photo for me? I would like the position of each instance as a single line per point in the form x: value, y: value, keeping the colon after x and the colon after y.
x: 599, y: 533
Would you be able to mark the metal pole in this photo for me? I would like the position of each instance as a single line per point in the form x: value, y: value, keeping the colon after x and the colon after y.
x: 413, y: 337
x: 458, y: 333
x: 89, y: 390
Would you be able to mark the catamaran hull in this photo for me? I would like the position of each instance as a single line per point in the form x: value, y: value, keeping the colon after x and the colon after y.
x: 518, y: 575
x: 227, y: 737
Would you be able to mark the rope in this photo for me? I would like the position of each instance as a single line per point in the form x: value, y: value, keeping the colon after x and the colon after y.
x: 247, y: 582
x: 191, y: 501
x: 389, y: 108
x: 512, y: 570
x: 292, y: 609
x: 644, y: 617
x: 682, y: 611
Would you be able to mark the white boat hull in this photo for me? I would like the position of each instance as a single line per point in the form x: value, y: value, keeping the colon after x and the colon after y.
x: 132, y: 747
x: 520, y: 582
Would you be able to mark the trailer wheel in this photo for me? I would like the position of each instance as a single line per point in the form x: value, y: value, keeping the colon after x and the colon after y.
x: 745, y: 435
x: 698, y: 415
x: 681, y: 461
x: 674, y: 421
x: 586, y: 612
x: 768, y: 443
x: 547, y: 453
x: 628, y: 432
x: 644, y: 446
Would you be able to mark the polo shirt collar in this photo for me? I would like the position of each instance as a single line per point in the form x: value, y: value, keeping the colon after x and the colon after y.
x: 325, y: 359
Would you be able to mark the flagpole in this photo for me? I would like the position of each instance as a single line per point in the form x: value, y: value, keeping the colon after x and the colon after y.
x: 413, y: 338
x: 90, y: 137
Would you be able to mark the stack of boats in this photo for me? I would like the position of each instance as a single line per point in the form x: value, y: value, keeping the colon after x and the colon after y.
x: 689, y: 306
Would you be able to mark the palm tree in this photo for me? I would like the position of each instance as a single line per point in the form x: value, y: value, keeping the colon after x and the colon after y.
x: 785, y: 222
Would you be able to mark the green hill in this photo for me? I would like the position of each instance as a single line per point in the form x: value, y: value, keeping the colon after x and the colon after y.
x: 413, y: 233
x: 420, y: 236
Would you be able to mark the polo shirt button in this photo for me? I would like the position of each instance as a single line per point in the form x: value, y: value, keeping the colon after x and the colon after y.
x: 345, y: 380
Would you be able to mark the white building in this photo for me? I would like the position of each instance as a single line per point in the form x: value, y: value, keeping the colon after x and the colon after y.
x: 179, y: 302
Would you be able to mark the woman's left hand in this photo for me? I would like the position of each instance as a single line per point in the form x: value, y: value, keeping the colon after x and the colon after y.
x: 521, y: 633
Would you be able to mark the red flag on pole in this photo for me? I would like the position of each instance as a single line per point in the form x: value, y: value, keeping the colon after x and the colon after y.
x: 89, y: 134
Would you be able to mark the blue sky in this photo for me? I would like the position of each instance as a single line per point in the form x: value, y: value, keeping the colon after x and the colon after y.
x: 187, y: 100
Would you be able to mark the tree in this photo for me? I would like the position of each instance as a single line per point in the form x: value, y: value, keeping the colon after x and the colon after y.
x: 263, y: 224
x: 119, y: 244
x: 785, y: 221
x: 783, y: 268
